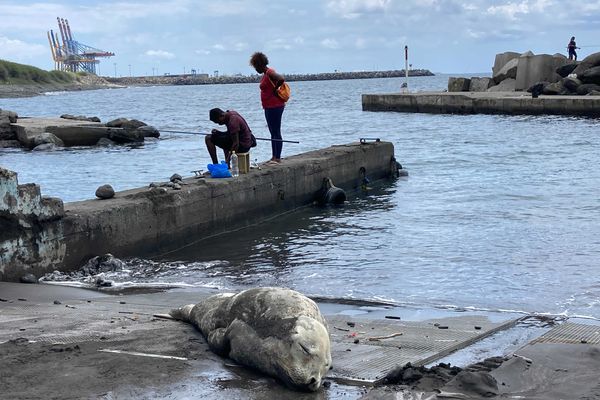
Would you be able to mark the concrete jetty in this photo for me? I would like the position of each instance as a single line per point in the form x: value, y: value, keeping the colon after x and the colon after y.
x: 511, y: 103
x: 41, y: 234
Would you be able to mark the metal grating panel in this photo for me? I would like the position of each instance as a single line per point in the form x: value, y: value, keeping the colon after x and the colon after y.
x: 571, y: 333
x: 368, y: 361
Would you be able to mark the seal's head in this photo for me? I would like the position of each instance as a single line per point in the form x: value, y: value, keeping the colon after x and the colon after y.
x: 309, y: 355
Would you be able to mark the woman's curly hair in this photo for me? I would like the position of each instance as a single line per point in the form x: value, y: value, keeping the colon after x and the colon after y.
x: 259, y: 59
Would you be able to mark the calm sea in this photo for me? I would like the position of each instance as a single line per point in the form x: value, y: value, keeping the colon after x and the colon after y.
x: 498, y: 213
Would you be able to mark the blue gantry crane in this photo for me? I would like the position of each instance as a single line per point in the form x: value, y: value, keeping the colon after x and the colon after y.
x: 70, y: 55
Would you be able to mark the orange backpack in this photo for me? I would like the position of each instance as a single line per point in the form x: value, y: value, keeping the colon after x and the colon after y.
x: 283, y: 91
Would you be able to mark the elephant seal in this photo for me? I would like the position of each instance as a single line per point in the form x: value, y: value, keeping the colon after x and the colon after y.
x: 277, y: 331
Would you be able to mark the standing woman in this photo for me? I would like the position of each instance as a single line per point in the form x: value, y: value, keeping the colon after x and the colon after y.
x: 271, y: 103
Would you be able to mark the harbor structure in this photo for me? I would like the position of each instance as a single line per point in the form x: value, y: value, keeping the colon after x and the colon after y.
x: 69, y: 54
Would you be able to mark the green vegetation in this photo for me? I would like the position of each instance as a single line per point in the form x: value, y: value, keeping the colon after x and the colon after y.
x: 21, y: 74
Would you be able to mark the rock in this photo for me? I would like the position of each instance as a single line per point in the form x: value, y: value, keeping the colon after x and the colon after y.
x: 175, y: 178
x: 594, y: 93
x: 593, y: 60
x: 507, y: 85
x: 105, y: 142
x: 116, y: 123
x: 537, y: 68
x: 80, y: 118
x: 132, y: 124
x: 7, y: 131
x: 591, y: 75
x: 528, y: 53
x: 105, y: 192
x: 176, y: 186
x: 9, y: 143
x: 508, y: 71
x: 125, y: 136
x: 28, y: 278
x: 501, y: 60
x: 480, y: 84
x: 47, y: 137
x: 103, y: 263
x: 458, y: 84
x: 11, y: 115
x: 554, y: 89
x: 571, y: 84
x: 45, y: 147
x: 537, y: 88
x: 587, y: 88
x: 149, y: 131
x: 566, y: 69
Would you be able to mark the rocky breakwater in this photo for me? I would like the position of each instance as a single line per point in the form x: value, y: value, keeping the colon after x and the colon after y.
x: 43, y: 134
x: 537, y: 74
x: 204, y: 79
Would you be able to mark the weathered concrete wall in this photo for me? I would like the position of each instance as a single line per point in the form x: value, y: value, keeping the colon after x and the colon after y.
x: 149, y: 222
x: 483, y: 103
x: 29, y: 227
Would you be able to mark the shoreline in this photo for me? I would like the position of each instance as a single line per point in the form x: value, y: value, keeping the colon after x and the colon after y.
x: 11, y: 91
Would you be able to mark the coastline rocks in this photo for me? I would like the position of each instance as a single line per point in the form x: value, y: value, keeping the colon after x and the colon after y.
x: 7, y: 131
x: 149, y: 131
x: 458, y: 84
x: 593, y: 60
x: 105, y: 142
x: 105, y: 192
x: 130, y: 130
x: 507, y: 85
x: 480, y: 84
x: 80, y: 118
x: 47, y: 138
x: 591, y: 75
x: 28, y: 278
x: 508, y: 71
x: 566, y: 69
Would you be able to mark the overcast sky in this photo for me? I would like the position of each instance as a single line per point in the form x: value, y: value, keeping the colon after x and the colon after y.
x: 299, y: 36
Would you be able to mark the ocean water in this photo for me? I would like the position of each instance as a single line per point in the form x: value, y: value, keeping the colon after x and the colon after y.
x: 498, y: 213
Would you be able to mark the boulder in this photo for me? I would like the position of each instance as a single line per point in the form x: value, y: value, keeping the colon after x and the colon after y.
x: 105, y: 142
x: 132, y: 124
x: 593, y: 60
x: 125, y: 136
x: 590, y: 75
x: 537, y: 68
x: 47, y: 137
x: 554, y: 89
x: 45, y: 147
x: 458, y: 84
x: 28, y: 278
x: 9, y: 143
x: 480, y: 84
x: 594, y: 93
x: 175, y: 178
x: 571, y: 84
x: 507, y: 85
x: 508, y: 71
x: 502, y: 59
x: 116, y: 123
x: 537, y: 88
x: 105, y: 192
x: 80, y: 118
x: 149, y: 131
x: 11, y: 115
x: 587, y: 88
x: 565, y: 70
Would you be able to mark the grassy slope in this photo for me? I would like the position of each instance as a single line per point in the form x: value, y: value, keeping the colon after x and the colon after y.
x: 21, y: 74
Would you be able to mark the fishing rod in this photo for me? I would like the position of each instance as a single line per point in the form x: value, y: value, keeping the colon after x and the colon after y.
x: 208, y: 134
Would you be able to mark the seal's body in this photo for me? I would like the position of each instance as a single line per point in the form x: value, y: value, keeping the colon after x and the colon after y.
x: 275, y: 330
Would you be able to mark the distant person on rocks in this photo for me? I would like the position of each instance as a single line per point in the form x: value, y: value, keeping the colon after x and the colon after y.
x: 238, y: 137
x: 572, y: 47
x: 271, y: 103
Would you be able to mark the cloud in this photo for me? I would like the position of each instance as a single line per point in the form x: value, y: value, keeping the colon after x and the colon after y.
x: 512, y: 10
x: 330, y: 43
x: 352, y: 9
x: 17, y: 50
x: 160, y: 54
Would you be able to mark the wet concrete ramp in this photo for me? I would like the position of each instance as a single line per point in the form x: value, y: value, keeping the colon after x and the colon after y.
x: 364, y: 351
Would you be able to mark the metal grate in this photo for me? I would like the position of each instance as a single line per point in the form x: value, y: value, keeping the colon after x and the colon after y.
x: 571, y: 333
x: 368, y: 361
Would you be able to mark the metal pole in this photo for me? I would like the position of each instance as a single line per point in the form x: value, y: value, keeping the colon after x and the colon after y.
x: 406, y: 65
x: 115, y: 64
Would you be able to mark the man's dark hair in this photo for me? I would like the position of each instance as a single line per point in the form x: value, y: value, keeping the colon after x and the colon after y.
x: 259, y: 59
x: 215, y: 114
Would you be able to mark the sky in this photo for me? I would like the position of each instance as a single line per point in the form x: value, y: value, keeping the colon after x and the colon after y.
x: 308, y: 36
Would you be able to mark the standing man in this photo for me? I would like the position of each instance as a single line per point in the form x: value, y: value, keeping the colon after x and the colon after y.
x: 238, y: 136
x: 572, y: 47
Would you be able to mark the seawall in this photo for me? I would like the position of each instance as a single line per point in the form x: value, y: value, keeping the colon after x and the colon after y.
x: 483, y: 103
x: 40, y: 234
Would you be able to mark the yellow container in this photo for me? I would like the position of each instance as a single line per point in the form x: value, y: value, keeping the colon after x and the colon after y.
x: 244, y: 162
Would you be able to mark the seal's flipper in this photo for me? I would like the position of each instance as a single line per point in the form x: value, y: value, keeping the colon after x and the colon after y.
x: 218, y: 342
